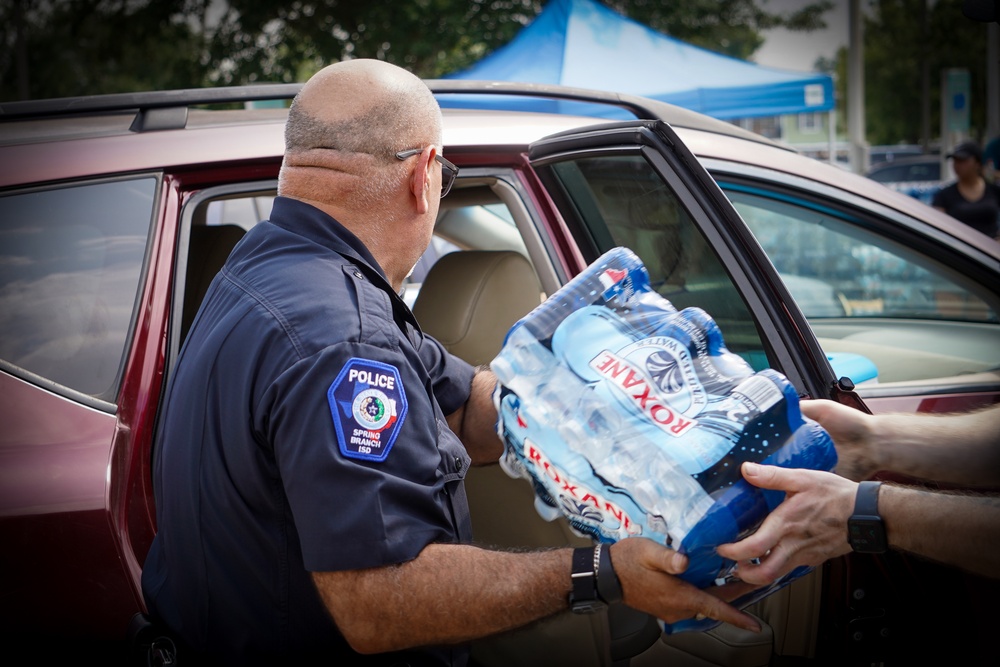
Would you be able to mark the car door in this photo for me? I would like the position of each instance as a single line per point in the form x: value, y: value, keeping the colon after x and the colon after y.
x: 635, y: 184
x: 75, y: 261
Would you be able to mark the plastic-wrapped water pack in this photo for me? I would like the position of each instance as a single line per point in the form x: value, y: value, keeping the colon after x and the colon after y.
x: 631, y: 418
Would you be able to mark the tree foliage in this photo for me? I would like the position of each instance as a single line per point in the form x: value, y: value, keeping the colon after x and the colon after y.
x: 898, y: 37
x: 56, y: 48
x: 730, y: 27
x: 73, y: 47
x: 77, y: 47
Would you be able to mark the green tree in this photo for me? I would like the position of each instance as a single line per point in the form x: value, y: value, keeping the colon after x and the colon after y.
x: 730, y: 27
x: 435, y: 37
x: 271, y: 40
x: 74, y: 47
x: 77, y: 47
x: 897, y: 40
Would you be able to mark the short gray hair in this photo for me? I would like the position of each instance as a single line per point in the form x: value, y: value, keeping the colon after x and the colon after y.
x: 382, y: 131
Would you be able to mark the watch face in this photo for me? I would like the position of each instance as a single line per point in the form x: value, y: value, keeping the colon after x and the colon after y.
x: 866, y: 535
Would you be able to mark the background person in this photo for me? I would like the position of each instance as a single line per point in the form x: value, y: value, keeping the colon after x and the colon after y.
x: 811, y: 524
x: 971, y: 199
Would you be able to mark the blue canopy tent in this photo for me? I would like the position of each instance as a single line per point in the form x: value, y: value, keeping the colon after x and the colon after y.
x: 583, y: 44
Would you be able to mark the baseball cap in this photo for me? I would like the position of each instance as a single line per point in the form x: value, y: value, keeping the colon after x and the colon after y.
x: 967, y: 149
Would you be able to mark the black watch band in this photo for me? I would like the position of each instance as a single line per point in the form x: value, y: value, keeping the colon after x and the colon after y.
x: 583, y: 597
x: 609, y: 589
x: 865, y: 530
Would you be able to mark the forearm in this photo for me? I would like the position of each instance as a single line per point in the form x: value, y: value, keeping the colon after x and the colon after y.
x: 958, y: 449
x: 475, y: 422
x: 455, y: 593
x: 449, y: 594
x: 959, y: 530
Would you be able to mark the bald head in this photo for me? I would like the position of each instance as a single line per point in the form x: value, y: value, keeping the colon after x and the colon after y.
x: 366, y: 107
x: 343, y: 132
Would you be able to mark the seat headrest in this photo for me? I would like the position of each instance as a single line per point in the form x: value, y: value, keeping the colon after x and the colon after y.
x: 471, y: 298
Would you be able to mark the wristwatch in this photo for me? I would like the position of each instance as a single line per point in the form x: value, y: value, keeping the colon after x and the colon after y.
x: 865, y: 530
x: 595, y: 583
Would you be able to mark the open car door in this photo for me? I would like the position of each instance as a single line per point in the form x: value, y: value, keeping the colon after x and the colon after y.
x: 635, y: 184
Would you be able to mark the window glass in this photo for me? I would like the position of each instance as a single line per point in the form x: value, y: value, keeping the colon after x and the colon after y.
x: 623, y: 201
x: 70, y: 267
x: 907, y: 314
x: 241, y: 210
x: 890, y: 174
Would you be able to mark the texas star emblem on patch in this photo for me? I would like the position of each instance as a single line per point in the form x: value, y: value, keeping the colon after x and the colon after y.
x: 368, y: 406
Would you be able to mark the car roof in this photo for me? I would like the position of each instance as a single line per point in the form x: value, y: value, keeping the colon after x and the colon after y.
x: 69, y: 138
x: 74, y: 137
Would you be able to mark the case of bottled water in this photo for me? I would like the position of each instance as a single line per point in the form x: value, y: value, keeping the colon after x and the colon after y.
x: 632, y: 418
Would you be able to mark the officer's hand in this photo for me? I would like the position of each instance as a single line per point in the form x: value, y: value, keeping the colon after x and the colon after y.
x: 646, y: 571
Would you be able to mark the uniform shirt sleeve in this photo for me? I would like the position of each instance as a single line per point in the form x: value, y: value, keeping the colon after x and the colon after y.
x: 350, y: 511
x: 451, y: 377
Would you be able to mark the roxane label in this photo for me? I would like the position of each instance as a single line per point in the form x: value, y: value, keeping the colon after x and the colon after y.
x: 368, y: 406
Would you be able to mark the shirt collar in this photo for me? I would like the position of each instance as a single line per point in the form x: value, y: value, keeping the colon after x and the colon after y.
x: 307, y: 221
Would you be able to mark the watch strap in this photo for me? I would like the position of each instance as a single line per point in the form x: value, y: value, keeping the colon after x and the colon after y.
x: 609, y: 588
x: 866, y: 501
x: 583, y: 596
x: 865, y: 529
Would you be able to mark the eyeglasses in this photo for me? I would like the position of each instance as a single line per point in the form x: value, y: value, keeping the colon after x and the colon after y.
x: 448, y: 170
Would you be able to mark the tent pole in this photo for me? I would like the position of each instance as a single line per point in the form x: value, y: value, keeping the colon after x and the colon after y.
x: 856, y: 89
x: 831, y: 126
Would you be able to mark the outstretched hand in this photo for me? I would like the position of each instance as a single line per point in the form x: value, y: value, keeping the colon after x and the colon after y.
x: 647, y: 572
x: 809, y: 527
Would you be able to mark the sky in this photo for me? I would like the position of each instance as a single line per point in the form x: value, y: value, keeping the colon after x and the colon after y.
x: 798, y: 51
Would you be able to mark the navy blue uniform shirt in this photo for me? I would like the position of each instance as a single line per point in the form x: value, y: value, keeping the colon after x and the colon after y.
x: 303, y: 431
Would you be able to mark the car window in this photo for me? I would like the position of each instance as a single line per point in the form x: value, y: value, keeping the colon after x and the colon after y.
x: 923, y: 172
x: 882, y: 311
x: 890, y: 174
x: 243, y: 210
x: 623, y: 201
x: 70, y: 268
x: 919, y: 171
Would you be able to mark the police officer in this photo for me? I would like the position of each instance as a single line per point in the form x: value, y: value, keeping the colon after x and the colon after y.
x: 309, y: 462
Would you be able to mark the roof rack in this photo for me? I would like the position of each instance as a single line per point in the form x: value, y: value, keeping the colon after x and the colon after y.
x: 642, y: 108
x: 155, y: 110
x: 637, y: 106
x: 168, y: 109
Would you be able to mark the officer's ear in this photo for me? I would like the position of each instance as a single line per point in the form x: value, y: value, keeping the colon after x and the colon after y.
x: 420, y: 179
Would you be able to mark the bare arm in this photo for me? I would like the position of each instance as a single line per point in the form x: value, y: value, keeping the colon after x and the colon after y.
x: 956, y: 529
x: 810, y: 526
x: 955, y: 448
x: 475, y: 422
x: 455, y: 593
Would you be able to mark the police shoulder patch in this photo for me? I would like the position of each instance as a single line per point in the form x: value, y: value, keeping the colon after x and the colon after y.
x: 368, y: 406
